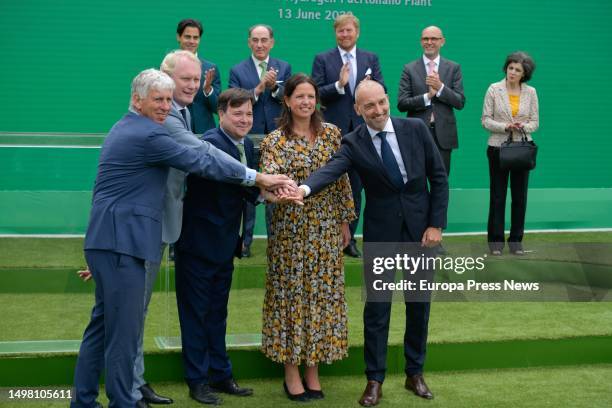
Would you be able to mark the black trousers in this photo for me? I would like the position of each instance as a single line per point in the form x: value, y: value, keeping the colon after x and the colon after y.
x: 498, y: 188
x: 445, y: 153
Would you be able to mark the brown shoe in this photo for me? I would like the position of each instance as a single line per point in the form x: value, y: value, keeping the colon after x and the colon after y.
x: 372, y: 394
x: 416, y: 384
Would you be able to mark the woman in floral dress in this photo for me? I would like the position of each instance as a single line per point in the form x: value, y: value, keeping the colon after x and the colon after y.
x: 304, y: 312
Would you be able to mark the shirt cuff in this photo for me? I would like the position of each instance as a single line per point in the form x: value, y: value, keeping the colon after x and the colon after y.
x: 306, y: 190
x: 426, y: 99
x: 338, y: 88
x: 249, y: 177
x: 275, y: 93
x: 440, y: 91
x: 255, y: 96
x: 212, y: 89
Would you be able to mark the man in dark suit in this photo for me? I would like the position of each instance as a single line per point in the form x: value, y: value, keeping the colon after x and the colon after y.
x: 337, y: 72
x: 396, y: 160
x: 264, y: 76
x: 210, y: 239
x: 125, y: 231
x: 430, y: 89
x: 188, y: 35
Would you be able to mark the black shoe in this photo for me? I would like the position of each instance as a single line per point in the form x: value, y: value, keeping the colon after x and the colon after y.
x: 229, y: 386
x: 148, y: 395
x: 204, y: 395
x: 312, y: 394
x: 301, y: 397
x: 142, y: 404
x: 246, y: 252
x: 352, y: 251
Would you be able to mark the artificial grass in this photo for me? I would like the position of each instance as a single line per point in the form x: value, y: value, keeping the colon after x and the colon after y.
x: 577, y: 386
x: 68, y: 252
x: 64, y: 316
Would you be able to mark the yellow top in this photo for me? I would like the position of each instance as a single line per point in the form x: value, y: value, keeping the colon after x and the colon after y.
x: 514, y: 103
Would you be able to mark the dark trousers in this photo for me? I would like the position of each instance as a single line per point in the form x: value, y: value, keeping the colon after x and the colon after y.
x: 110, y: 340
x: 498, y: 188
x: 376, y: 316
x: 444, y: 153
x: 202, y: 292
x: 248, y: 224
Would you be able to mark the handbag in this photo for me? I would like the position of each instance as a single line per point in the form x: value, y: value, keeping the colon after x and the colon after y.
x: 519, y: 155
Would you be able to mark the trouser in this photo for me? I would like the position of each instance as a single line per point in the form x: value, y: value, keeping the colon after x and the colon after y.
x: 248, y: 224
x: 202, y: 293
x: 498, y: 187
x: 151, y: 272
x: 110, y: 341
x: 356, y: 188
x: 444, y: 153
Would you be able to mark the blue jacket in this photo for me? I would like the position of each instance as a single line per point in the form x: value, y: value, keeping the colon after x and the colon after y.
x: 129, y: 190
x: 267, y: 108
x: 213, y: 210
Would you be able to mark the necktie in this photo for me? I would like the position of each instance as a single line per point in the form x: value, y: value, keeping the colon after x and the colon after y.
x: 389, y: 161
x: 264, y: 66
x: 349, y: 59
x: 431, y: 69
x: 184, y: 114
x: 240, y: 147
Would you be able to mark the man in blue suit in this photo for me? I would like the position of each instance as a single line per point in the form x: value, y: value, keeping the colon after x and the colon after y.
x: 337, y: 72
x: 188, y: 35
x: 210, y: 239
x: 264, y: 76
x: 125, y: 231
x: 407, y: 198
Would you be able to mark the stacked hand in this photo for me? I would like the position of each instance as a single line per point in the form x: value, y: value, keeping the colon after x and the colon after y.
x: 514, y: 126
x: 267, y: 82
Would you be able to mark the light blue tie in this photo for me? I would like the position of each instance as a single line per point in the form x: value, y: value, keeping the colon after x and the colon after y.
x: 352, y: 74
x: 388, y: 159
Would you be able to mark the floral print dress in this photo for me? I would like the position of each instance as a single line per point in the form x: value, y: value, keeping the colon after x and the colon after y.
x: 304, y: 311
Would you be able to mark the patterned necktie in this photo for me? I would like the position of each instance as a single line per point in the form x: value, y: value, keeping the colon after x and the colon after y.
x: 431, y: 69
x: 389, y: 161
x: 264, y: 66
x: 240, y: 147
x: 349, y: 59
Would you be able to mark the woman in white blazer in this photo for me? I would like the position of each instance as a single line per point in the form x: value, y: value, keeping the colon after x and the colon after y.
x: 509, y: 105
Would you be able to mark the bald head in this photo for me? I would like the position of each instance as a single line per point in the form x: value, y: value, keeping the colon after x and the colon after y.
x: 372, y: 104
x: 432, y: 40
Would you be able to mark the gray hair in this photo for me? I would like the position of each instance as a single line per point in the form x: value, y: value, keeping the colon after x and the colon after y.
x: 171, y: 59
x: 150, y: 79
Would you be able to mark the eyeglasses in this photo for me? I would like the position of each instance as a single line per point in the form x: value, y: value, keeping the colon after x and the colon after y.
x: 432, y: 39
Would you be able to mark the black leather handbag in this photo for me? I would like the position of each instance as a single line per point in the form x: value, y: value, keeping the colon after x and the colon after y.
x: 519, y: 155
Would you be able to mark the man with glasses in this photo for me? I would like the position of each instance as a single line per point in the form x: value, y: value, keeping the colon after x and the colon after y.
x: 430, y: 88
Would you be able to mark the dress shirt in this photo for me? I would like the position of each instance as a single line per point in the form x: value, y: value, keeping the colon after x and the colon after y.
x: 426, y: 62
x: 353, y: 72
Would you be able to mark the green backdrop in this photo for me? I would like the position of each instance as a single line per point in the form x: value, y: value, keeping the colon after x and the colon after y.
x: 67, y: 67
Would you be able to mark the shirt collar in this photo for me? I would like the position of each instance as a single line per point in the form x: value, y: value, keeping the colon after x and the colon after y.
x: 388, y: 128
x: 177, y: 106
x: 231, y: 139
x: 257, y: 62
x: 353, y: 52
x: 436, y: 60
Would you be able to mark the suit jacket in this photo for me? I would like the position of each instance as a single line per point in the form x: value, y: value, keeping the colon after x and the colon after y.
x: 267, y: 108
x: 128, y: 195
x: 339, y: 109
x: 497, y: 113
x: 410, y: 98
x: 203, y: 107
x: 416, y: 205
x: 213, y: 210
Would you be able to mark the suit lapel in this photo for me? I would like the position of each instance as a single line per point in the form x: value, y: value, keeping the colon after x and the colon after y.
x: 443, y: 70
x: 505, y: 100
x: 230, y: 147
x: 374, y: 156
x: 337, y: 63
x: 252, y: 71
x: 404, y: 141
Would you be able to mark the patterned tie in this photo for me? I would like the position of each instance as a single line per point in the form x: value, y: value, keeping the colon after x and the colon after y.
x: 264, y: 66
x: 349, y: 59
x: 431, y: 69
x: 243, y: 159
x: 389, y: 161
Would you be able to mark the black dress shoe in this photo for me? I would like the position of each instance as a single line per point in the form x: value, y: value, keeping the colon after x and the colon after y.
x: 229, y: 386
x: 416, y: 384
x: 148, y: 395
x: 142, y: 404
x: 372, y: 394
x: 312, y: 394
x: 301, y: 397
x: 204, y: 395
x: 246, y: 252
x: 352, y: 251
